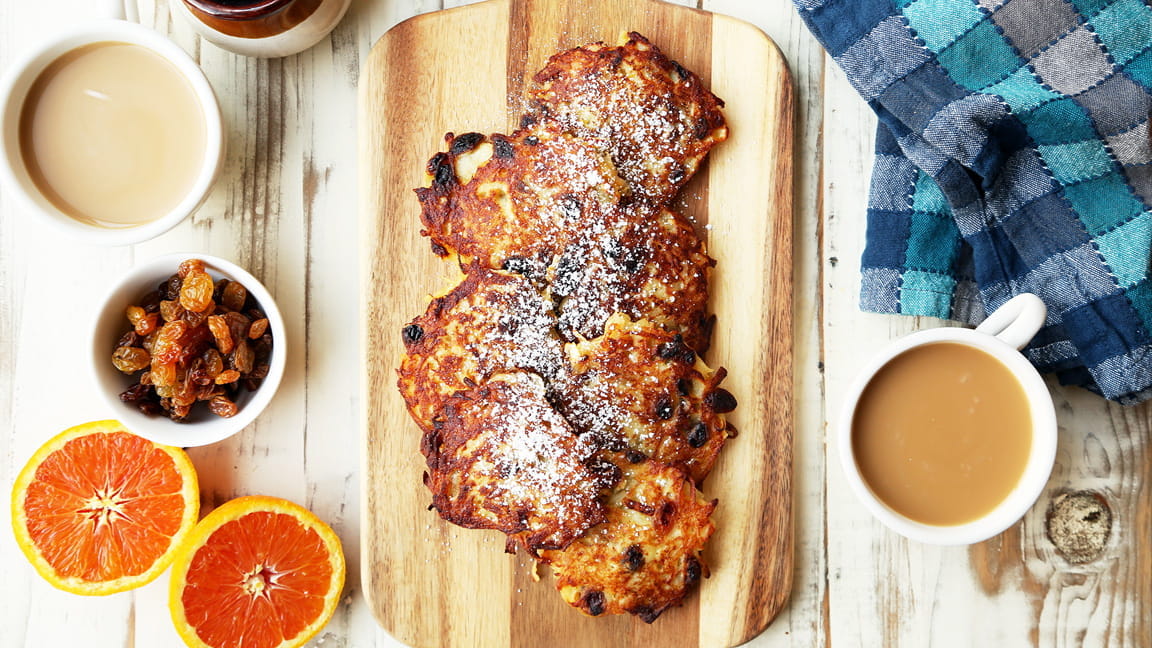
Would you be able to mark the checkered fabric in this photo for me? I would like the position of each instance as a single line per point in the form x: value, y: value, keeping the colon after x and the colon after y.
x: 1012, y: 156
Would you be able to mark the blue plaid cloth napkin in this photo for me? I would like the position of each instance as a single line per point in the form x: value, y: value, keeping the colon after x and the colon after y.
x: 1012, y: 156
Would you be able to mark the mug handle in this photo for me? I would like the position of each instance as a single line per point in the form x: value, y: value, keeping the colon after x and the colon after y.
x: 1016, y: 321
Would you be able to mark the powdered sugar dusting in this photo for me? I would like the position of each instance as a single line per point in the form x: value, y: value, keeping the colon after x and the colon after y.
x: 538, y: 465
x: 542, y: 458
x: 522, y: 336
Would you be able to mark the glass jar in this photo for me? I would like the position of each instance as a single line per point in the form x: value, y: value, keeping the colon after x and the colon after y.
x: 262, y: 28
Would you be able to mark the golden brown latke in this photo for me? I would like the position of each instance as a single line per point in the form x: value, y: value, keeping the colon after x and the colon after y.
x: 657, y: 270
x: 491, y: 322
x: 518, y: 201
x: 640, y: 390
x: 646, y: 556
x: 656, y: 119
x: 504, y: 459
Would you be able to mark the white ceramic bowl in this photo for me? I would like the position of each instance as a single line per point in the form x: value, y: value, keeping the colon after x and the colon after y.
x: 18, y: 80
x: 203, y: 427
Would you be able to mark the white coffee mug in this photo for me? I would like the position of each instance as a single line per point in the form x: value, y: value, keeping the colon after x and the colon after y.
x: 18, y: 81
x: 1002, y: 335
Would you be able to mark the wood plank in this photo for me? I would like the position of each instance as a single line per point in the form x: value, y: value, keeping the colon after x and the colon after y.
x: 431, y: 584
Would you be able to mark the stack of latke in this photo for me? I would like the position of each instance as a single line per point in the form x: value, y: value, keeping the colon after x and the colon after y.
x: 559, y: 385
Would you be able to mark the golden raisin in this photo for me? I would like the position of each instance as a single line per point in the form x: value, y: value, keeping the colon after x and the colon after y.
x: 213, y: 363
x: 222, y: 406
x: 134, y: 315
x: 219, y: 327
x: 196, y: 291
x: 166, y: 347
x: 163, y: 376
x: 130, y: 359
x: 147, y: 324
x: 242, y: 357
x: 190, y: 266
x: 171, y: 310
x: 179, y: 412
x: 185, y: 393
x: 258, y: 328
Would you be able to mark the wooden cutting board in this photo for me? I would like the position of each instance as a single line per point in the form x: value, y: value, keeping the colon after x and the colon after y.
x: 466, y: 69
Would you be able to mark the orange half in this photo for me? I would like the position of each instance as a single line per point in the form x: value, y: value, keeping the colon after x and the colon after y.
x: 258, y: 572
x: 98, y: 510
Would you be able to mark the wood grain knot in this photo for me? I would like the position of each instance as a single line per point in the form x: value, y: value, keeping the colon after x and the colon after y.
x: 1079, y: 524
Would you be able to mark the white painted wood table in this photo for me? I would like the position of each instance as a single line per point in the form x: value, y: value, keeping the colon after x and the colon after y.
x: 286, y: 208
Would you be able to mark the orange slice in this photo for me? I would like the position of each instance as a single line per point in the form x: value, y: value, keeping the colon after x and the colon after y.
x: 98, y: 510
x: 258, y: 572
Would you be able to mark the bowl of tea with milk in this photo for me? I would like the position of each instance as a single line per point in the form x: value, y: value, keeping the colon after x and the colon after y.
x: 111, y: 133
